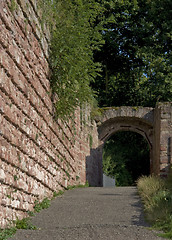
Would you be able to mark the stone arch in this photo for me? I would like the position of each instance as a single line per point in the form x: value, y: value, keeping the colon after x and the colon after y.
x: 154, y: 124
x: 142, y: 126
x: 133, y: 124
x: 110, y: 127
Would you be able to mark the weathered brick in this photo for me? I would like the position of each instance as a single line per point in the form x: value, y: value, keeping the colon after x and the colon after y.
x: 36, y: 153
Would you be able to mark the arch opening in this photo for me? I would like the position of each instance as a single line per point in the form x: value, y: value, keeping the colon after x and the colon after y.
x: 126, y: 156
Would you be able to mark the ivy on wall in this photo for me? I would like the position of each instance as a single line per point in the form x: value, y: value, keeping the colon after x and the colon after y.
x: 74, y: 37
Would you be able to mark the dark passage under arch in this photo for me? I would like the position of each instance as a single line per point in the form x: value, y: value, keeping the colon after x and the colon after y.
x: 126, y: 157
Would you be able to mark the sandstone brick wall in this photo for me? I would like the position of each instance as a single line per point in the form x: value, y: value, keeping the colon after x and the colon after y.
x: 165, y: 126
x: 37, y: 155
x: 156, y: 142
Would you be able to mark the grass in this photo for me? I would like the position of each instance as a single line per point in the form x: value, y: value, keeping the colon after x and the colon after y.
x: 7, y: 233
x: 78, y: 186
x: 156, y: 194
x: 25, y: 223
x: 55, y: 194
x: 42, y: 205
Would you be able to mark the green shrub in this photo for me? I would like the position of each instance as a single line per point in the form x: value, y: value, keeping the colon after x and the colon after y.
x: 168, y: 182
x: 160, y: 206
x: 157, y: 198
x: 149, y: 186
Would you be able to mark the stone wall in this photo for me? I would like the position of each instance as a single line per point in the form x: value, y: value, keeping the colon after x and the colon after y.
x: 38, y: 156
x: 165, y: 136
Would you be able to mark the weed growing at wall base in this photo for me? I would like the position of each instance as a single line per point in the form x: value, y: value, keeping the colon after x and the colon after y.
x: 42, y: 205
x: 55, y: 194
x: 25, y: 223
x: 18, y: 224
x: 78, y: 186
x: 7, y: 233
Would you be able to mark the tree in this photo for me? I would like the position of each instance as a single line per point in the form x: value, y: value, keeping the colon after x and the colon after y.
x: 126, y: 157
x: 136, y: 56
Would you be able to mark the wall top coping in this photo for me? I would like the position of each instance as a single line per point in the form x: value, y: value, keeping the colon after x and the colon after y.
x: 144, y: 113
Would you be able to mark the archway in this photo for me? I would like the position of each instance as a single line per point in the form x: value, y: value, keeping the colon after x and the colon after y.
x: 132, y: 124
x: 154, y: 124
x: 126, y: 157
x: 112, y: 120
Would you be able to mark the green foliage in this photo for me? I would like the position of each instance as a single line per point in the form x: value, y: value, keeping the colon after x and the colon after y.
x: 83, y: 185
x: 18, y: 224
x: 78, y: 186
x: 42, y: 205
x: 77, y: 177
x: 70, y: 187
x: 68, y: 175
x: 150, y: 185
x: 127, y: 41
x: 116, y: 168
x: 74, y: 37
x: 30, y: 213
x: 56, y: 194
x: 36, y: 137
x: 126, y: 157
x: 136, y: 56
x: 166, y: 235
x: 90, y: 140
x: 24, y: 224
x: 7, y: 233
x: 157, y: 199
x: 13, y: 5
x: 15, y: 177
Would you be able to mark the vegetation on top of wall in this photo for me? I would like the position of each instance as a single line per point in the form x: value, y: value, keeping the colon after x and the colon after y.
x: 111, y: 37
x: 74, y: 37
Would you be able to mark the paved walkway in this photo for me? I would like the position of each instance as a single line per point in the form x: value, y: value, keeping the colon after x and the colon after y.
x: 91, y: 213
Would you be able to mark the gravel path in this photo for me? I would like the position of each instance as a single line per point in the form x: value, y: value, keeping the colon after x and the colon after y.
x: 91, y: 213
